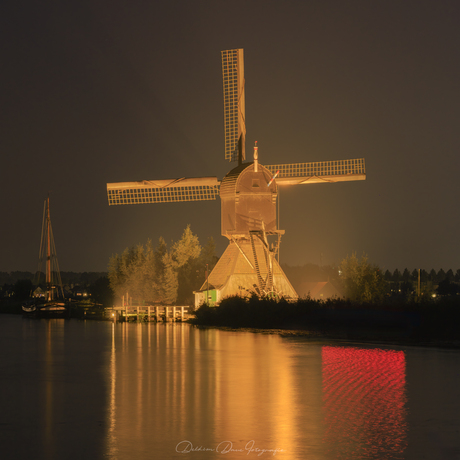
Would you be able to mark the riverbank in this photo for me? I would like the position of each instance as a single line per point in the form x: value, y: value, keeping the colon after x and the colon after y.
x: 78, y: 309
x: 427, y: 323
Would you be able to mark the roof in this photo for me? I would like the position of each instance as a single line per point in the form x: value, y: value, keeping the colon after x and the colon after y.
x: 235, y: 271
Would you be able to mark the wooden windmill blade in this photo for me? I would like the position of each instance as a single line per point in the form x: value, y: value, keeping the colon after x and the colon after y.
x: 319, y: 172
x: 163, y: 191
x: 234, y: 109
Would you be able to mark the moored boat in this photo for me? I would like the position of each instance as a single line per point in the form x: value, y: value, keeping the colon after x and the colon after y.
x: 53, y: 303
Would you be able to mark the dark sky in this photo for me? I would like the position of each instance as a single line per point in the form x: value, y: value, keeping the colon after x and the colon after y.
x: 105, y: 91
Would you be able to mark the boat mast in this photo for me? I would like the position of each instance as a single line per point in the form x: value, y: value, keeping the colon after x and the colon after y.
x: 48, y: 250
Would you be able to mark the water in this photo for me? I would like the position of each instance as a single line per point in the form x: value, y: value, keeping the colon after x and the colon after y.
x: 75, y: 389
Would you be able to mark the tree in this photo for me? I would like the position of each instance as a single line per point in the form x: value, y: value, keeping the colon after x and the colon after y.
x: 134, y: 272
x: 160, y: 269
x: 170, y: 281
x: 397, y: 277
x: 206, y: 261
x: 23, y: 288
x: 188, y: 247
x: 127, y: 273
x: 406, y: 275
x: 447, y: 288
x: 101, y: 291
x: 424, y: 277
x: 457, y: 275
x: 441, y: 276
x: 161, y: 275
x: 186, y: 253
x: 116, y: 275
x: 363, y: 282
x: 148, y: 276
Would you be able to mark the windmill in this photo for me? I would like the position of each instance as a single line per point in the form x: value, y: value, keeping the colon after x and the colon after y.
x: 248, y: 196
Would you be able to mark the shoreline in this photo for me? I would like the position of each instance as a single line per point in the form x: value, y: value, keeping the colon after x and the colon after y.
x: 303, y: 333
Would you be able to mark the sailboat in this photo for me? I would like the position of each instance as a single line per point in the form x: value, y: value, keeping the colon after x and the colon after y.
x: 53, y: 302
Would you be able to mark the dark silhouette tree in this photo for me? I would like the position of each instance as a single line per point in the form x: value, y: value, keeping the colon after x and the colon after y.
x: 446, y: 288
x: 457, y: 276
x: 423, y: 276
x: 22, y: 289
x: 101, y: 292
x: 406, y: 275
x: 440, y: 276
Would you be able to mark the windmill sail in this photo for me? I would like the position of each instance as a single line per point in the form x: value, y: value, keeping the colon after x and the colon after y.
x: 319, y: 171
x: 163, y: 191
x: 234, y: 112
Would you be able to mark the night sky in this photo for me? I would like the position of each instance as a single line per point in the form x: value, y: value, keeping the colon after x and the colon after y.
x: 106, y: 91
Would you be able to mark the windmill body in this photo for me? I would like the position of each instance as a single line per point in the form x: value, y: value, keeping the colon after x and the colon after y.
x: 248, y: 196
x: 247, y: 202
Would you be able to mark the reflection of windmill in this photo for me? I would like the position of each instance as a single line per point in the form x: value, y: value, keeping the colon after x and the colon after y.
x: 248, y: 195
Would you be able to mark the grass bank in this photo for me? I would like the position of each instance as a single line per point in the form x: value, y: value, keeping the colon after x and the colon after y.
x: 430, y: 322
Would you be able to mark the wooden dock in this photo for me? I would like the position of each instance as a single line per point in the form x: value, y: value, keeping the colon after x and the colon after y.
x: 148, y: 313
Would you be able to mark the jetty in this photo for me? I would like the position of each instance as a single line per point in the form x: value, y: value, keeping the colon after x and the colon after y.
x: 147, y: 313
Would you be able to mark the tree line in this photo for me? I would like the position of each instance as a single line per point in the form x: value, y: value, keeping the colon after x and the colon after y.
x: 170, y: 275
x: 361, y: 281
x: 364, y: 282
x: 433, y: 276
x: 162, y: 274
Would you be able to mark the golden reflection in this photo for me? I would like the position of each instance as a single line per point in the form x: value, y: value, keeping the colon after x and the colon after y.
x: 254, y: 394
x: 54, y: 345
x: 139, y: 329
x: 364, y: 398
x: 172, y: 383
x: 112, y: 437
x: 206, y: 386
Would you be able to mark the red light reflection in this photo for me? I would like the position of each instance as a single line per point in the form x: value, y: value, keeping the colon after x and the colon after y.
x: 364, y: 402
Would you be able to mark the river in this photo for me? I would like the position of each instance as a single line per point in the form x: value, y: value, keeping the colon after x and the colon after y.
x: 73, y: 389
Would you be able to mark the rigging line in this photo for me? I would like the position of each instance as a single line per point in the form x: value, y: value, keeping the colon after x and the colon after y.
x: 55, y: 264
x: 41, y: 250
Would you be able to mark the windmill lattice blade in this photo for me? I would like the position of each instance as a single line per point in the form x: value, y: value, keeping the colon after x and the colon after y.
x: 319, y: 171
x: 234, y: 110
x: 163, y: 191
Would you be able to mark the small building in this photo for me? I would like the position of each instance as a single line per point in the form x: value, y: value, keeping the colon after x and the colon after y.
x: 39, y: 292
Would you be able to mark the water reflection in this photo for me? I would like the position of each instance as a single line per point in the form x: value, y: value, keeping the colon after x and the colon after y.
x: 171, y: 383
x: 111, y: 435
x: 98, y: 390
x: 54, y: 330
x: 364, y: 402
